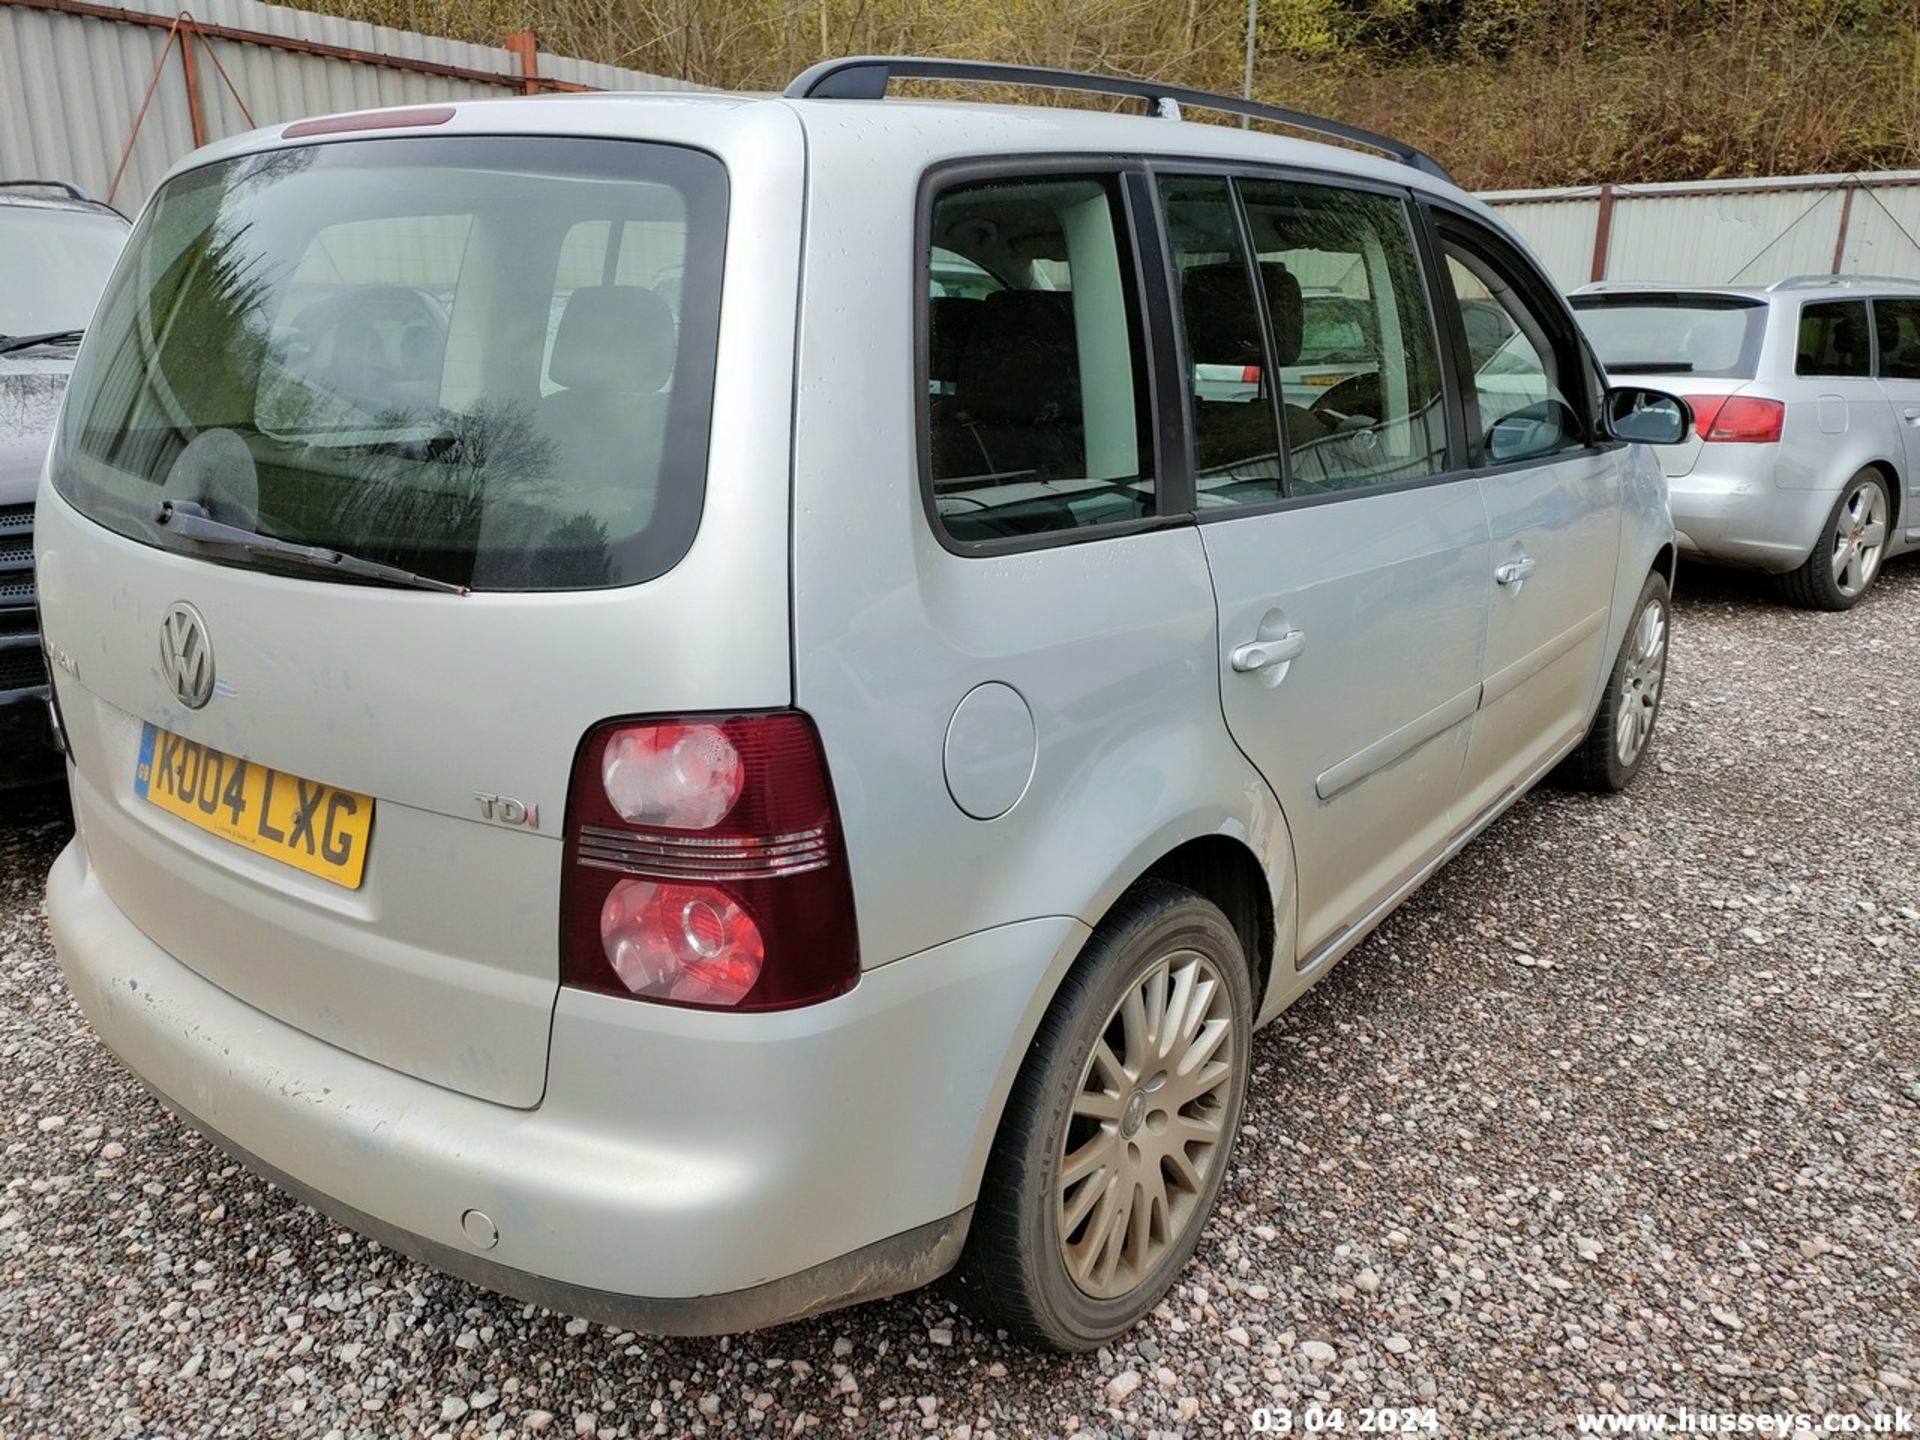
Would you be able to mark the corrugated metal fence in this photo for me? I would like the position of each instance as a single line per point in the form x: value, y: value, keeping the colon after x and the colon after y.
x: 108, y: 96
x: 75, y: 76
x: 1724, y: 232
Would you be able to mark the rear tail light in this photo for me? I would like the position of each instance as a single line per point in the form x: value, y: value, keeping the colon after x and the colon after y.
x: 1737, y: 419
x: 1250, y: 375
x: 705, y: 866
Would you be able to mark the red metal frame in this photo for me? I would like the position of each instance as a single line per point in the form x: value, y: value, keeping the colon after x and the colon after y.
x: 194, y: 113
x: 527, y: 49
x: 186, y: 31
x: 1840, y: 239
x: 1602, y: 233
x: 526, y: 78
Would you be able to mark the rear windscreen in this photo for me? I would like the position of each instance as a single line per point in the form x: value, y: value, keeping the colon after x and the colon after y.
x: 488, y: 360
x: 1681, y: 334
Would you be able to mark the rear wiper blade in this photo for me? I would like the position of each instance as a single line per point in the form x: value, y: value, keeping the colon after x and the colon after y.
x: 11, y: 343
x: 192, y: 522
x: 1651, y: 367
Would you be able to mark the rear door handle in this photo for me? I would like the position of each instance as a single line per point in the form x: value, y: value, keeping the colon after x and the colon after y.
x: 1913, y: 415
x: 1514, y: 571
x: 1260, y: 654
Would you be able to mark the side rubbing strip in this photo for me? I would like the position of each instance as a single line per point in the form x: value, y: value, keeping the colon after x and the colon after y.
x: 1509, y: 678
x: 1401, y: 743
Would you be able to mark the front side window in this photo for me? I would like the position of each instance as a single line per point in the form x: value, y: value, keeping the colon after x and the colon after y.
x: 1364, y: 406
x: 1524, y: 357
x: 1898, y: 324
x: 1832, y: 339
x: 488, y: 360
x: 1236, y: 447
x: 1038, y: 418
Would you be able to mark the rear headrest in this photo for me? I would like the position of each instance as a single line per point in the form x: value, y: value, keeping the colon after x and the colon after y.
x: 950, y: 323
x: 1223, y: 328
x: 1219, y: 328
x: 613, y: 338
x: 1022, y: 363
x: 1283, y: 304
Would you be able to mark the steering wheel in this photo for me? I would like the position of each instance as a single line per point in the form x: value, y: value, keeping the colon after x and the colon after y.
x: 342, y: 343
x: 1355, y: 395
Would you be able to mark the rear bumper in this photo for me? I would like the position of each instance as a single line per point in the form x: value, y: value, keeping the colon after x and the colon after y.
x: 1743, y: 520
x: 686, y: 1172
x: 28, y: 755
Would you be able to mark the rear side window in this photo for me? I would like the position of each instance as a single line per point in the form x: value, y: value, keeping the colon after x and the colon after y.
x: 487, y: 360
x: 1038, y: 418
x: 1833, y: 339
x: 1898, y: 324
x: 1364, y: 407
x: 1236, y: 446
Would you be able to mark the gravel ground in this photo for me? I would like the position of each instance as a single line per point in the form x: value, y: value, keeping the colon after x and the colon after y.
x: 1623, y: 1111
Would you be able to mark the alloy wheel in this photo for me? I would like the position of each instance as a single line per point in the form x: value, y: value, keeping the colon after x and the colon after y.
x: 1860, y: 537
x: 1148, y: 1125
x: 1641, y: 680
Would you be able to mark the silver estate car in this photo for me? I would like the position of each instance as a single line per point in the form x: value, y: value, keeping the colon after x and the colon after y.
x: 1806, y: 397
x: 696, y: 809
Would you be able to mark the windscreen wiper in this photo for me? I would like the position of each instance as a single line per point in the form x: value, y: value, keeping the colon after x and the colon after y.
x: 11, y: 343
x: 192, y: 522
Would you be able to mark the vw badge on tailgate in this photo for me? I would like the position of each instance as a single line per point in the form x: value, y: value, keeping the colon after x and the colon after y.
x: 186, y: 655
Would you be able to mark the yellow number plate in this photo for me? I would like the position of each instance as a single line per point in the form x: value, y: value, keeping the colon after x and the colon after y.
x: 302, y: 823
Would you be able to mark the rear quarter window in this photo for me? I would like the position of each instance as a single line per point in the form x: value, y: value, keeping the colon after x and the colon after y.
x: 1038, y: 415
x: 1833, y: 340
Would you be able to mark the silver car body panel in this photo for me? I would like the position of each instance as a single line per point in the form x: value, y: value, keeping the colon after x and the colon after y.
x: 1368, y: 781
x: 404, y: 1054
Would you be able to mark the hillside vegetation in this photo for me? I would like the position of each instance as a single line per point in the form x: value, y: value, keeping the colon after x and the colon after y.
x: 1507, y: 93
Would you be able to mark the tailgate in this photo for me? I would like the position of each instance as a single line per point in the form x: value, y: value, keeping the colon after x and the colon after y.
x: 482, y: 366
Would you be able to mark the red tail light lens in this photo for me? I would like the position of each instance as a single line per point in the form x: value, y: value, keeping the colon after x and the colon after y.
x: 690, y: 943
x: 705, y: 866
x: 1737, y: 419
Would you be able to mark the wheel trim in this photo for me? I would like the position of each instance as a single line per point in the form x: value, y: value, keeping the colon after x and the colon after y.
x: 1640, y: 682
x: 1147, y: 1125
x: 1859, y: 537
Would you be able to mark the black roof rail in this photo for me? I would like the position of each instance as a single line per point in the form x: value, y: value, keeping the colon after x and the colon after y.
x: 866, y: 77
x: 73, y: 192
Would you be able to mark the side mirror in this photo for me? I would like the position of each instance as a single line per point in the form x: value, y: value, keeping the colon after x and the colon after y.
x: 1537, y: 429
x: 1647, y: 417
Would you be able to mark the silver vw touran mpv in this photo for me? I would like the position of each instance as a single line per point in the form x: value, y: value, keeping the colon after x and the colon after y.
x: 677, y: 706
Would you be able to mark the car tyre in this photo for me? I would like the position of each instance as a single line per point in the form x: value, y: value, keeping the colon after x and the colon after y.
x: 1119, y: 1129
x: 1617, y: 742
x: 1846, y: 558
